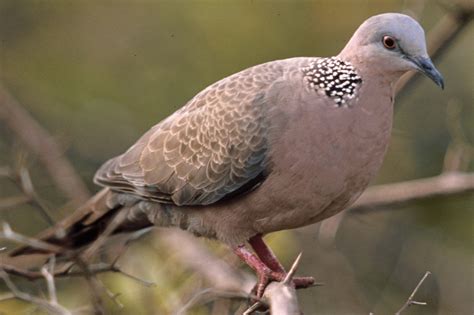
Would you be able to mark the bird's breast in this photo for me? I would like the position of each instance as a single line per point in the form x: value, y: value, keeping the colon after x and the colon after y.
x: 323, y: 159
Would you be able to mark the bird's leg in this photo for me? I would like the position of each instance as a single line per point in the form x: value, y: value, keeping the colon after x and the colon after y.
x: 271, y: 261
x: 265, y: 253
x: 264, y: 273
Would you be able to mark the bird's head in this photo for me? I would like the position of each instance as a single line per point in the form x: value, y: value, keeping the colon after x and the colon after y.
x: 392, y: 43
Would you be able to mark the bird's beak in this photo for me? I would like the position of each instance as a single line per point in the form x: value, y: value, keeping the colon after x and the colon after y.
x: 425, y: 66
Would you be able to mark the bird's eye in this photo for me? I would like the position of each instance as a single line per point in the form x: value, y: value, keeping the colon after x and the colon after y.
x: 389, y: 42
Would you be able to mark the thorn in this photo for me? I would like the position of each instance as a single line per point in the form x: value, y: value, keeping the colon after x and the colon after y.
x: 252, y: 308
x: 291, y: 273
x: 317, y: 284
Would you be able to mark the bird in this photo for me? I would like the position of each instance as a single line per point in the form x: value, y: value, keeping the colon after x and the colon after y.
x: 277, y: 146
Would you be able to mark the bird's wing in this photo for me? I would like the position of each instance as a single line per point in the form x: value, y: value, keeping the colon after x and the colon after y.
x: 213, y: 147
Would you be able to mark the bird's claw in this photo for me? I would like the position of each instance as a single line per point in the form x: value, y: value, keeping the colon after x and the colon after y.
x: 267, y: 275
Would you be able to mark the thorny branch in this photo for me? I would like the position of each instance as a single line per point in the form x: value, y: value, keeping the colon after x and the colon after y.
x: 280, y: 297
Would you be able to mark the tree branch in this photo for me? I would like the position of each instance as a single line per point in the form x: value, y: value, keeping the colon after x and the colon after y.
x: 445, y: 184
x: 410, y: 301
x: 40, y: 142
x: 378, y: 196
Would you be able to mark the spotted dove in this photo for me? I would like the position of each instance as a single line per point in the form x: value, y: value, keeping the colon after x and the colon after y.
x: 277, y: 146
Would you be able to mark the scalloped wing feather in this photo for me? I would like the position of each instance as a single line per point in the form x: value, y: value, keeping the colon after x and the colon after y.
x: 206, y: 150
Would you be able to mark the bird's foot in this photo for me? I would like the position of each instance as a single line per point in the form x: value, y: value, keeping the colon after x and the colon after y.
x: 266, y: 275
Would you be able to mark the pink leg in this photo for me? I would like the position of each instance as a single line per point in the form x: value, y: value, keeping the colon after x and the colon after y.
x: 265, y: 253
x: 264, y: 274
x: 269, y: 259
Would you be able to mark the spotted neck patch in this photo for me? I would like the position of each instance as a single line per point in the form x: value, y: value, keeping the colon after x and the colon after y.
x: 338, y: 79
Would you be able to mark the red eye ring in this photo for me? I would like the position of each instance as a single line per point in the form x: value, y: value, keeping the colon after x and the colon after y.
x: 389, y: 42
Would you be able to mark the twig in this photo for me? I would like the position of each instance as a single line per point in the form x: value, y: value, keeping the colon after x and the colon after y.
x: 40, y: 142
x: 113, y: 296
x: 28, y: 189
x: 94, y: 285
x: 9, y: 234
x: 48, y: 306
x: 208, y: 295
x: 5, y: 171
x: 410, y: 300
x: 21, y: 178
x: 13, y: 201
x: 48, y: 276
x: 391, y: 194
x: 67, y: 270
x: 255, y: 306
x: 93, y: 270
x: 446, y: 184
x: 6, y: 296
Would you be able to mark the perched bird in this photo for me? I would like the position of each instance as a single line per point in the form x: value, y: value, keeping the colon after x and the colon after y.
x: 277, y: 146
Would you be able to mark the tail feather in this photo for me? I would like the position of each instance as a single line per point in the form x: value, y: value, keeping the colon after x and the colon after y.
x: 80, y: 228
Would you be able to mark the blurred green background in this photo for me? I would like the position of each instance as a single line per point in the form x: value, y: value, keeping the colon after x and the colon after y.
x: 97, y: 74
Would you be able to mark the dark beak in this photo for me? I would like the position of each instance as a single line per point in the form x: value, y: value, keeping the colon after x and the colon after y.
x: 425, y: 66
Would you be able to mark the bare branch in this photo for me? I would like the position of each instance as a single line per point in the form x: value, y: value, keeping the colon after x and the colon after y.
x: 446, y: 184
x: 410, y: 301
x: 40, y: 142
x: 254, y: 307
x: 281, y: 296
x: 391, y: 194
x: 13, y: 201
x: 50, y: 280
x: 9, y: 234
x: 67, y: 269
x: 208, y: 295
x: 28, y: 189
x: 48, y: 306
x: 282, y: 299
x: 6, y: 296
x: 5, y: 171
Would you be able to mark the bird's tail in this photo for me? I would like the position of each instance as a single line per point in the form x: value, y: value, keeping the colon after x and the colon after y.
x: 81, y: 228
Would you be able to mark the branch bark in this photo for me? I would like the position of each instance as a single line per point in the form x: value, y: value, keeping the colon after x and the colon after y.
x: 446, y: 184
